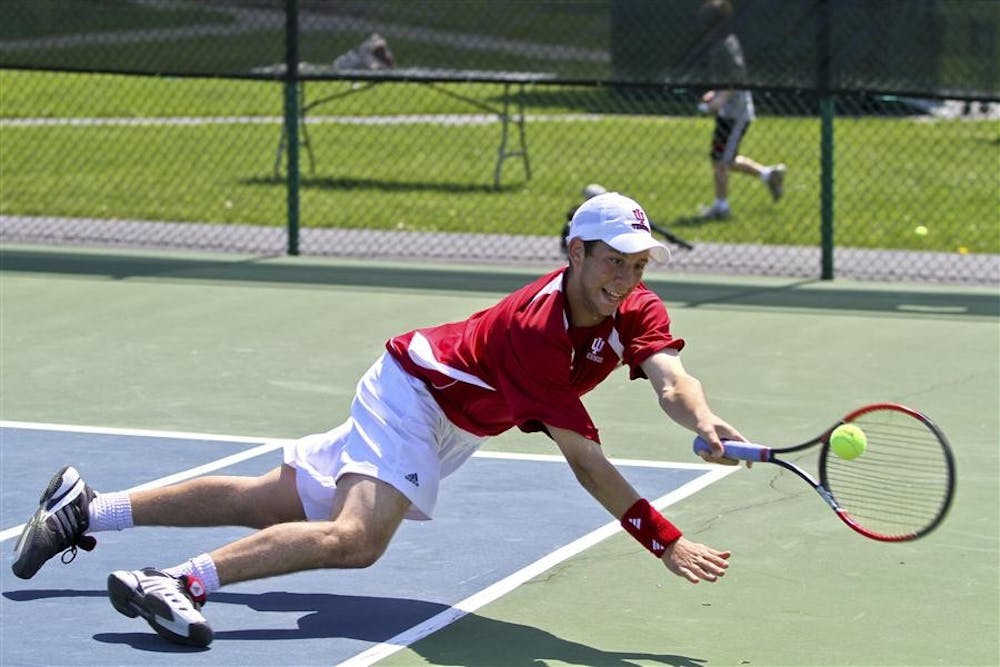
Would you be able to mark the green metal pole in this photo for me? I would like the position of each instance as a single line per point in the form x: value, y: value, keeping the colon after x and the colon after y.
x: 292, y: 120
x: 826, y: 107
x: 826, y: 185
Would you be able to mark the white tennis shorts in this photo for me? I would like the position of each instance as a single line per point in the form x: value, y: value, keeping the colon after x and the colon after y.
x: 396, y: 433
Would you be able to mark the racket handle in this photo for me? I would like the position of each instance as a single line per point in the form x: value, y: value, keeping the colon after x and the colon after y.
x: 744, y: 451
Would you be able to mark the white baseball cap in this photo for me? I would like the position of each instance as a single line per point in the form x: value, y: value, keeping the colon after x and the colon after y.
x: 618, y: 221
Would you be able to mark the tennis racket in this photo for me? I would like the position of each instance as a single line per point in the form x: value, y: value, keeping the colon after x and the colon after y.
x: 669, y: 235
x: 898, y: 490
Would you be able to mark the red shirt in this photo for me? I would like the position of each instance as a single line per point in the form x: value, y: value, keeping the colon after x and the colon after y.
x: 521, y: 363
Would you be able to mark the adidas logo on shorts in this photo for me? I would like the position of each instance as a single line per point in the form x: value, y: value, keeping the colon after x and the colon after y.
x: 412, y: 479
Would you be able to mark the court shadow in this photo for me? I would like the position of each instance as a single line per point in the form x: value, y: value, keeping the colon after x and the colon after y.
x: 479, y: 642
x: 694, y: 221
x: 51, y: 593
x: 328, y: 615
x: 473, y: 640
x: 142, y: 640
x: 383, y: 186
x: 146, y: 641
x: 794, y: 293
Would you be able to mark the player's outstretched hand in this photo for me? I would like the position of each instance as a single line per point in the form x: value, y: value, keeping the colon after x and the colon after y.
x: 695, y: 562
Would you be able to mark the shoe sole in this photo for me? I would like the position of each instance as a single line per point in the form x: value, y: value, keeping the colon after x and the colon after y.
x: 778, y: 189
x: 62, y: 486
x: 25, y: 570
x: 132, y: 604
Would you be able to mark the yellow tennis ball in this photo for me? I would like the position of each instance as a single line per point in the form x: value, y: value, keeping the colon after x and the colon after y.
x: 848, y: 441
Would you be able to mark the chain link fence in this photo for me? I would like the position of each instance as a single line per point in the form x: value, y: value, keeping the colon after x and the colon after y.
x: 467, y: 130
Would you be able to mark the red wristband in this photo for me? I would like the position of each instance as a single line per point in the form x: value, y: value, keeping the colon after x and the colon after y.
x: 643, y: 522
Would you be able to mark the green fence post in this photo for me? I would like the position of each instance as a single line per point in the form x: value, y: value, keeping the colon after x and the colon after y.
x: 826, y: 104
x: 292, y: 120
x: 826, y: 108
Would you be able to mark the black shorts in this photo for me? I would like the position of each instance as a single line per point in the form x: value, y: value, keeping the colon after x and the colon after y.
x: 726, y: 139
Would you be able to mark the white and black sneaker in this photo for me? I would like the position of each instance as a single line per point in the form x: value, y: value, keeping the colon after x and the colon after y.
x: 57, y: 526
x: 169, y: 604
x: 776, y: 181
x: 714, y: 212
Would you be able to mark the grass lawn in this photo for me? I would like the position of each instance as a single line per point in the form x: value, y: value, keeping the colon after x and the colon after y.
x: 892, y: 175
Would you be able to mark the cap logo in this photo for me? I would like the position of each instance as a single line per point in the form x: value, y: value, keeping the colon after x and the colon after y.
x: 640, y: 220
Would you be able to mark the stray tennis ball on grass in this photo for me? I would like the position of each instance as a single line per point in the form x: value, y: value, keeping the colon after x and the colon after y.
x: 920, y: 230
x: 848, y: 441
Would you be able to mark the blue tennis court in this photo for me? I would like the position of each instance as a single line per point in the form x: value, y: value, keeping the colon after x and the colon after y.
x: 486, y: 540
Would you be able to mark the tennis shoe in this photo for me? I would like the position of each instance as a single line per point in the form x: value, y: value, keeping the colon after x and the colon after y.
x: 776, y: 181
x: 58, y: 526
x: 171, y: 605
x: 714, y: 212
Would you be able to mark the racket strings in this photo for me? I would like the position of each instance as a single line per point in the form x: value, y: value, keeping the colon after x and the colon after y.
x: 901, y: 484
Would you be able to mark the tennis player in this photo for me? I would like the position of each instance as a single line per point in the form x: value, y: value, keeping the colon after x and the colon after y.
x: 418, y: 414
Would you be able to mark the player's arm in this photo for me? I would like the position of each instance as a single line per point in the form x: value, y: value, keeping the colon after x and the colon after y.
x: 594, y: 471
x: 682, y: 398
x: 695, y: 562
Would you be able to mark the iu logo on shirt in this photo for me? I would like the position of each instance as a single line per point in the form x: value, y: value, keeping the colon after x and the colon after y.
x: 596, y: 346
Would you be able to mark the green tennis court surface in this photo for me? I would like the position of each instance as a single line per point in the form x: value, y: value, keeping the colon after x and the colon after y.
x: 273, y: 347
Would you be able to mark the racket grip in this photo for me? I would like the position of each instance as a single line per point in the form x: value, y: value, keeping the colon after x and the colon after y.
x: 744, y: 451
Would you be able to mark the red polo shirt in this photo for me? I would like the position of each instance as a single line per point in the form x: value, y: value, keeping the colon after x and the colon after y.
x: 521, y: 363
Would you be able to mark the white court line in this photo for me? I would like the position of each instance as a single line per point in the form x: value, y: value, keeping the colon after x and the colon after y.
x: 108, y: 430
x: 641, y: 463
x: 460, y: 609
x: 190, y: 435
x: 270, y: 445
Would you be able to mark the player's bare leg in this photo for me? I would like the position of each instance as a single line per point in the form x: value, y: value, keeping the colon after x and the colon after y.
x: 365, y: 516
x: 170, y: 601
x: 255, y: 502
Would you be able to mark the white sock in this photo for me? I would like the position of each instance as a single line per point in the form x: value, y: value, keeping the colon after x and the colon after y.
x: 765, y: 173
x: 721, y: 204
x: 110, y: 511
x: 202, y: 567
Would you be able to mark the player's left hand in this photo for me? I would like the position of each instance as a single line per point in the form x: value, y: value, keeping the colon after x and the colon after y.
x: 695, y: 562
